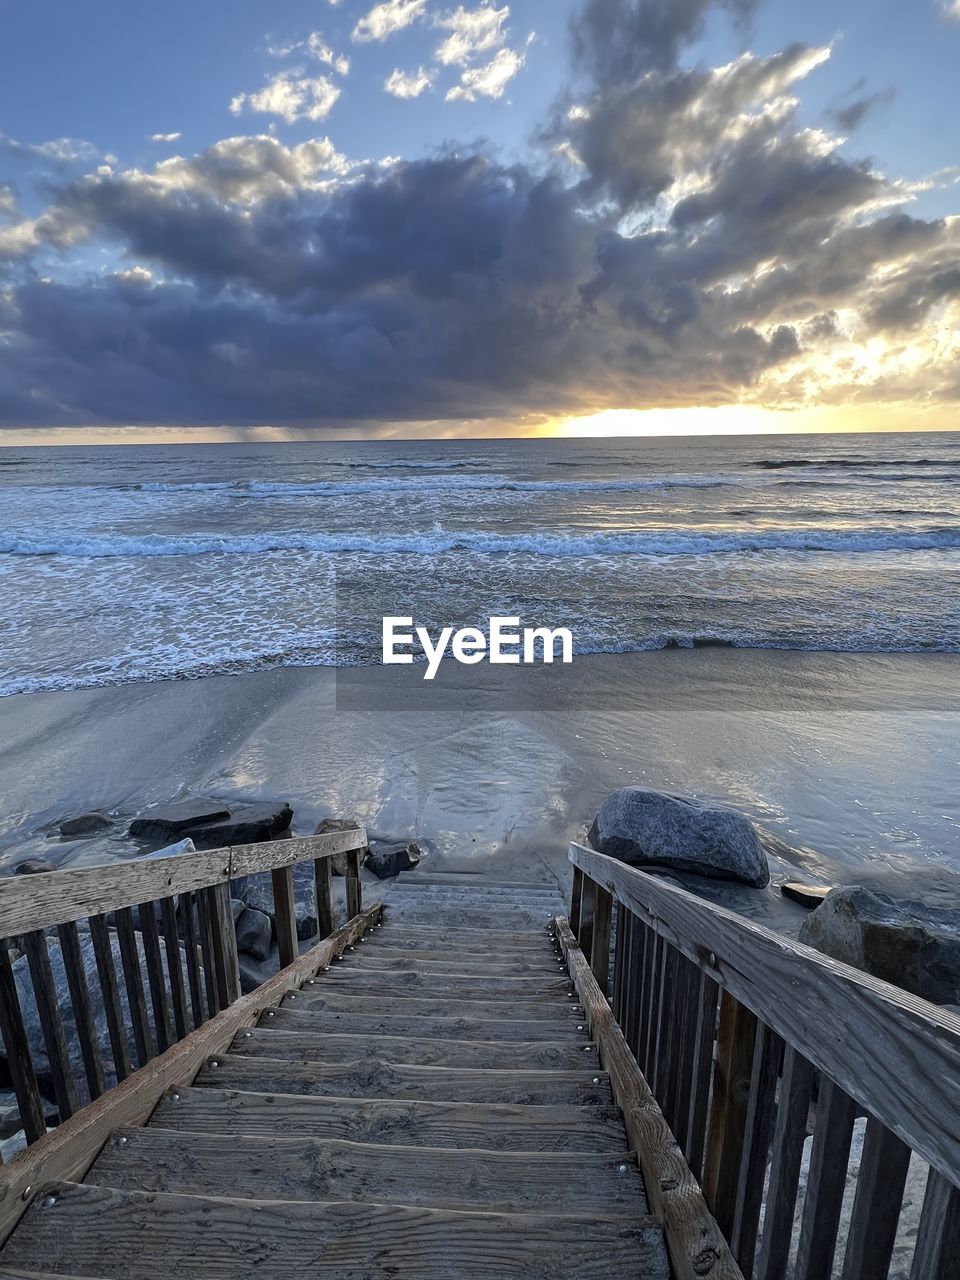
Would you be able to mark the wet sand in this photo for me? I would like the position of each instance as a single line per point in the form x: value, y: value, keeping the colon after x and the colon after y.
x: 848, y: 763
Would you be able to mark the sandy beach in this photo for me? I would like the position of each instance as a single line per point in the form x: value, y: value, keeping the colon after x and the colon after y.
x: 847, y: 763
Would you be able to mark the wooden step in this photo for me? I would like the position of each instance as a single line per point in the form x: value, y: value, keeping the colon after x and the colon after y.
x: 365, y: 982
x: 323, y: 1169
x: 471, y: 880
x: 472, y: 921
x: 139, y: 1236
x: 422, y: 1019
x: 373, y: 1078
x: 395, y: 959
x: 315, y: 1000
x: 519, y: 1055
x: 412, y: 1124
x: 436, y: 929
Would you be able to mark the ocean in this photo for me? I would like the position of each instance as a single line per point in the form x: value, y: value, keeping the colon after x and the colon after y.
x: 128, y: 564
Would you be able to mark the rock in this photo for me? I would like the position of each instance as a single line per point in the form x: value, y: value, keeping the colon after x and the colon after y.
x: 170, y: 850
x: 84, y: 824
x: 308, y: 926
x: 33, y: 867
x: 910, y: 944
x: 387, y: 860
x: 651, y: 828
x: 247, y: 824
x: 257, y: 891
x: 338, y: 863
x: 179, y: 817
x: 808, y: 895
x: 253, y: 933
x: 237, y: 906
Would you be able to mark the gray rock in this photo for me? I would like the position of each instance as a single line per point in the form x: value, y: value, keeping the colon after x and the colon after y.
x: 338, y: 863
x: 33, y: 867
x: 651, y: 828
x: 177, y: 818
x: 247, y: 824
x: 910, y: 944
x: 308, y: 926
x: 257, y: 891
x: 387, y: 860
x: 170, y: 850
x: 84, y: 824
x: 253, y: 933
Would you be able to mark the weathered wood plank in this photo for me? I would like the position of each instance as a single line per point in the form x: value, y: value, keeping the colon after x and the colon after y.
x: 367, y: 982
x: 411, y: 1124
x: 849, y: 1024
x: 696, y: 1246
x: 371, y: 1078
x: 285, y: 915
x: 382, y: 959
x: 37, y: 902
x: 82, y: 1008
x: 354, y: 889
x: 822, y: 1205
x: 324, y: 995
x: 600, y: 938
x: 295, y: 1168
x: 326, y: 920
x: 575, y: 900
x: 224, y: 941
x: 71, y: 1148
x: 399, y: 933
x: 191, y: 945
x: 112, y: 1008
x: 876, y: 1206
x: 272, y: 1041
x: 171, y: 941
x: 18, y: 1051
x: 728, y: 1114
x: 156, y: 979
x: 130, y: 963
x: 790, y: 1131
x: 207, y: 955
x: 938, y: 1236
x: 444, y: 1023
x: 90, y: 1228
x: 51, y: 1023
x: 702, y: 1073
x: 758, y: 1134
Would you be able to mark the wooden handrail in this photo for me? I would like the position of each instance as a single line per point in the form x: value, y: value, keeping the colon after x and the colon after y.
x: 60, y: 897
x: 897, y: 1055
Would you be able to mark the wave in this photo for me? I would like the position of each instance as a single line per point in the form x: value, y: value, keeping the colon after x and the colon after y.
x: 650, y: 542
x: 780, y: 464
x: 452, y: 484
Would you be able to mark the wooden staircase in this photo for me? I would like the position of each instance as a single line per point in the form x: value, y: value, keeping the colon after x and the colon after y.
x: 429, y: 1105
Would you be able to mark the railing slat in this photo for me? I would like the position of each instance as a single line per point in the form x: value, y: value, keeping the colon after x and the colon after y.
x: 639, y: 935
x: 155, y: 976
x: 826, y: 1179
x: 326, y: 921
x: 133, y: 981
x: 51, y: 1023
x: 734, y: 1065
x: 171, y: 942
x: 796, y: 1088
x: 190, y: 946
x: 688, y: 1007
x: 767, y: 1056
x: 18, y: 1052
x: 82, y: 1008
x: 702, y: 1072
x: 112, y: 1008
x: 224, y: 939
x: 653, y: 969
x: 206, y: 949
x: 284, y: 910
x: 600, y: 941
x: 665, y: 1070
x: 619, y: 950
x: 938, y: 1237
x: 353, y: 886
x: 876, y: 1206
x: 576, y: 898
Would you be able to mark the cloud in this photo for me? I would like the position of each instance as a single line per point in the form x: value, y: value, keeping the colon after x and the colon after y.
x: 385, y: 19
x: 489, y: 80
x: 849, y: 115
x: 681, y: 236
x: 58, y: 151
x: 317, y: 48
x: 404, y: 84
x: 165, y: 137
x: 472, y: 32
x: 291, y: 96
x: 951, y: 8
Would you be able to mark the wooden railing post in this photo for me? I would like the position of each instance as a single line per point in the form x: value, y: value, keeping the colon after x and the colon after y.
x: 18, y: 1052
x: 326, y: 922
x: 223, y: 939
x: 576, y: 895
x: 600, y: 941
x: 286, y: 916
x: 734, y: 1066
x: 353, y: 886
x: 938, y: 1237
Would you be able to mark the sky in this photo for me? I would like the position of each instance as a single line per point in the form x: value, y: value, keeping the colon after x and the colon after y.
x: 323, y: 217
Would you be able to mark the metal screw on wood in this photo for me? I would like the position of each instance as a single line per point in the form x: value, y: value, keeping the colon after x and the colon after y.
x: 293, y: 995
x: 271, y: 1013
x: 174, y: 1097
x: 623, y: 1168
x: 122, y: 1142
x: 214, y: 1062
x: 27, y: 1191
x: 596, y: 1079
x: 712, y: 959
x: 49, y: 1201
x: 247, y: 1035
x: 581, y: 1027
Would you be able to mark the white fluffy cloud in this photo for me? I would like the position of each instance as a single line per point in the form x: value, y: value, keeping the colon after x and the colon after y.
x: 386, y: 18
x: 291, y: 96
x: 952, y: 9
x: 165, y: 137
x: 472, y: 32
x: 316, y: 47
x: 403, y: 84
x: 489, y: 80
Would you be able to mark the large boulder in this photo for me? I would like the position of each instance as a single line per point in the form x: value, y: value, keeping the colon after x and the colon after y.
x: 247, y: 824
x: 177, y: 819
x: 338, y: 863
x: 84, y: 824
x: 388, y: 860
x: 914, y: 946
x: 254, y: 930
x: 651, y: 828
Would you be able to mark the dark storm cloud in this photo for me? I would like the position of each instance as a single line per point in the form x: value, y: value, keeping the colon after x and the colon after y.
x: 683, y: 240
